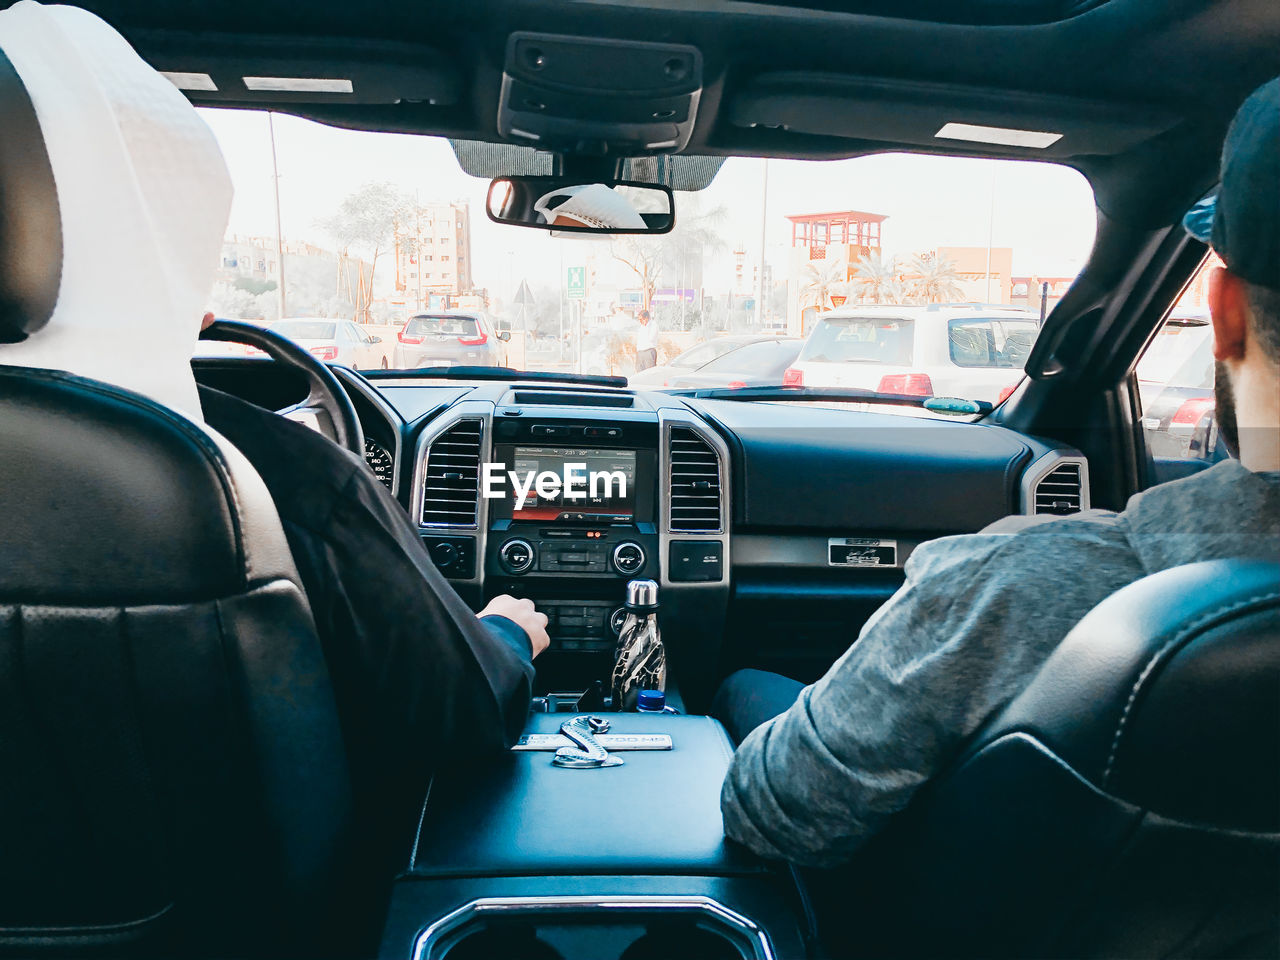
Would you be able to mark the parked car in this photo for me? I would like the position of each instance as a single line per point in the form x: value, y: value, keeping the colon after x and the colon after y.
x: 941, y: 350
x: 693, y: 358
x: 759, y: 364
x: 450, y: 340
x: 1175, y: 381
x: 333, y: 341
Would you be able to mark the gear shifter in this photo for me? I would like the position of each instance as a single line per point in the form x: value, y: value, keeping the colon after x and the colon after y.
x: 640, y: 661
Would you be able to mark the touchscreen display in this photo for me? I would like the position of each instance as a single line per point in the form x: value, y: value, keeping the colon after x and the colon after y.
x: 568, y: 483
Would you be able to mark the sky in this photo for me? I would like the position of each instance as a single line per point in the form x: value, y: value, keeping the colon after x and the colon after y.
x: 1043, y: 211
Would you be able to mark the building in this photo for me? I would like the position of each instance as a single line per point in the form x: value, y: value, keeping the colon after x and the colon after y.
x: 433, y: 256
x: 985, y: 274
x: 825, y: 251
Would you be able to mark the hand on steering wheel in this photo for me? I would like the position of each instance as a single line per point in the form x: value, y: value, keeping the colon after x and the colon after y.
x: 327, y: 408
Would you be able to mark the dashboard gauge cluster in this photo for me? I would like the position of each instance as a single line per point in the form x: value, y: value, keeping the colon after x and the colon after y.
x: 380, y: 461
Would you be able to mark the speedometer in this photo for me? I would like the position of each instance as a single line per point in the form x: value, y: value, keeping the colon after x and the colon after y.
x: 380, y: 461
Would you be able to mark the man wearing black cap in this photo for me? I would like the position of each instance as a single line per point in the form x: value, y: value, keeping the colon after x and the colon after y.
x: 823, y: 767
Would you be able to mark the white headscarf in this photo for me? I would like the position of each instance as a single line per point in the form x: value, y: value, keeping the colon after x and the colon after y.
x: 144, y: 197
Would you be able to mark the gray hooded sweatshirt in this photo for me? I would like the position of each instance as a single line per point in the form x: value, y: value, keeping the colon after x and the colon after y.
x: 976, y: 618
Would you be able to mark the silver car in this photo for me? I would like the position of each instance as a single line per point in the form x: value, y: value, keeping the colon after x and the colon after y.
x: 334, y: 341
x: 450, y: 340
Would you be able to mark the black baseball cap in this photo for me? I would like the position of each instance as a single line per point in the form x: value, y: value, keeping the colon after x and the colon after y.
x: 1241, y: 219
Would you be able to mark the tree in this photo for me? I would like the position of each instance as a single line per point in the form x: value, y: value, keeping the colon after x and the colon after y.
x: 368, y: 220
x: 821, y: 279
x: 931, y: 279
x: 877, y: 279
x: 697, y: 234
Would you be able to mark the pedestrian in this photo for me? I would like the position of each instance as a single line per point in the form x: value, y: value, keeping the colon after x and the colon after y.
x: 646, y: 342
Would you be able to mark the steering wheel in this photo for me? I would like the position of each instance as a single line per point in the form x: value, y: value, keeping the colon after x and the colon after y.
x: 327, y: 409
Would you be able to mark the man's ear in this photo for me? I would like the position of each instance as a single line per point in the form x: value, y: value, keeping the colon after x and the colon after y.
x: 1229, y: 308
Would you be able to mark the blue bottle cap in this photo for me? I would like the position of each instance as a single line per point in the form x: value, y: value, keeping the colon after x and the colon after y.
x: 654, y: 700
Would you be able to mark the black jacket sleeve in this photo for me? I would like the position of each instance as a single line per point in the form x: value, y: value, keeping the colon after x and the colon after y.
x: 419, y: 680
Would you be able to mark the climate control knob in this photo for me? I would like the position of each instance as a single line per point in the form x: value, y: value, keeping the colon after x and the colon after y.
x: 516, y: 556
x: 617, y: 619
x: 628, y: 558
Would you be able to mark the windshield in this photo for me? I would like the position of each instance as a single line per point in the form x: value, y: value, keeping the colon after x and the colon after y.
x: 932, y: 272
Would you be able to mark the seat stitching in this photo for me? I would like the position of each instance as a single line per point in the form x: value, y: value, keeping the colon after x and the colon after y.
x: 422, y: 816
x: 1156, y: 658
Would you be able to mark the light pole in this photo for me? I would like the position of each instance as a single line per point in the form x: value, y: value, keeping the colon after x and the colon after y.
x: 764, y: 219
x: 275, y: 180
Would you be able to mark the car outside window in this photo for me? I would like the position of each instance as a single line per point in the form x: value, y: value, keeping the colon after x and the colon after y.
x: 442, y: 327
x: 305, y: 329
x: 880, y: 340
x: 1175, y: 381
x: 705, y: 353
x: 754, y: 358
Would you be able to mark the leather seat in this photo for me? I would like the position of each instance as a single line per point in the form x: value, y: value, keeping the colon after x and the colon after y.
x: 174, y: 781
x: 1127, y: 804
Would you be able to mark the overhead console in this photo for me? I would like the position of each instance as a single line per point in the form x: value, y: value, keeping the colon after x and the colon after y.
x: 599, y: 96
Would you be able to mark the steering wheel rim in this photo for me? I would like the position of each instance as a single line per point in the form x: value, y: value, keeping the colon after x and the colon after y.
x: 326, y: 403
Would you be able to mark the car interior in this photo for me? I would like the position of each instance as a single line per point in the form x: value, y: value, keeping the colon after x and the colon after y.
x: 176, y: 783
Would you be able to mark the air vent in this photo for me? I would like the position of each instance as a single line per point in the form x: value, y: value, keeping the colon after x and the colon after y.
x: 451, y: 491
x: 695, y: 484
x: 1060, y: 490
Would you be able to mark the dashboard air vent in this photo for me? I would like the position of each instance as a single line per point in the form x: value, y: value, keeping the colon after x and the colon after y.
x: 695, y: 500
x: 1059, y: 491
x: 451, y: 489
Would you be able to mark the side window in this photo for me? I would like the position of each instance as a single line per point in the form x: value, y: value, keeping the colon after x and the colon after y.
x: 1175, y: 382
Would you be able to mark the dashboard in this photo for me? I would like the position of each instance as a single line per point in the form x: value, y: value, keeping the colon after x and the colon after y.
x: 774, y: 530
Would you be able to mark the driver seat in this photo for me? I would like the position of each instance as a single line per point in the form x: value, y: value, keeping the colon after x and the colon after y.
x: 174, y: 775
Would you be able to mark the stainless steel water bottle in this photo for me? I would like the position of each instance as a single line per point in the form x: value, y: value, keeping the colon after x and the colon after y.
x: 640, y: 662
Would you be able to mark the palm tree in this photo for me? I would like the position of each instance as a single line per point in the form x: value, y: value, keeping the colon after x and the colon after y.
x: 877, y: 279
x: 822, y: 279
x: 931, y: 279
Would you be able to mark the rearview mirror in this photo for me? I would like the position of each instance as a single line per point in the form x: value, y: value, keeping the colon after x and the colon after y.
x: 374, y: 340
x: 566, y: 207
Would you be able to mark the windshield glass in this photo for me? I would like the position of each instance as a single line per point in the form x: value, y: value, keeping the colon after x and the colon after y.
x: 933, y: 272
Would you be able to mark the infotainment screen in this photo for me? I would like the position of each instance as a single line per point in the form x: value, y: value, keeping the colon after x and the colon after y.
x: 605, y: 480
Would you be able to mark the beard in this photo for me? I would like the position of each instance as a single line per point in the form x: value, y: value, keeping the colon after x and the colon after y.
x: 1224, y: 411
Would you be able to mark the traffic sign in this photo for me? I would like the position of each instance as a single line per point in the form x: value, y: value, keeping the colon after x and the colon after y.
x: 576, y: 283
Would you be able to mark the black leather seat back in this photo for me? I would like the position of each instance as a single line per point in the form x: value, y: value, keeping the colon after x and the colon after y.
x: 1126, y: 804
x: 174, y: 778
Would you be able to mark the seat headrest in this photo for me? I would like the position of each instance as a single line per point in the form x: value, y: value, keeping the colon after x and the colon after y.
x: 30, y: 224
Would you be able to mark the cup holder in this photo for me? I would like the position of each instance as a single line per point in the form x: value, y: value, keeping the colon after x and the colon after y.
x: 594, y: 928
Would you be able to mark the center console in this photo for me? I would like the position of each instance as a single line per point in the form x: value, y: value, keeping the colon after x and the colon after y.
x: 525, y: 858
x: 659, y: 510
x: 572, y: 550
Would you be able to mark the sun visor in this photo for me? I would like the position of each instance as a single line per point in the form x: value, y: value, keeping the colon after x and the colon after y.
x: 945, y: 118
x: 144, y: 197
x: 213, y: 68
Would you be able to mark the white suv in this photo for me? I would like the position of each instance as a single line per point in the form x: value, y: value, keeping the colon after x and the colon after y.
x: 940, y: 350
